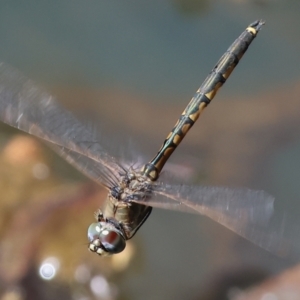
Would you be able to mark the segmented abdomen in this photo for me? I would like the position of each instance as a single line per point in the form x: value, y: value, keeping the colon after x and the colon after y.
x: 202, y: 98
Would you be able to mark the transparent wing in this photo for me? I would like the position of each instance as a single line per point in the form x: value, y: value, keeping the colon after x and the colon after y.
x: 246, y: 212
x: 29, y: 108
x: 88, y: 166
x: 217, y: 203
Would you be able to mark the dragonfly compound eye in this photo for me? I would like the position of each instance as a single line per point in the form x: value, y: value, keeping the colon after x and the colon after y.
x: 105, y: 239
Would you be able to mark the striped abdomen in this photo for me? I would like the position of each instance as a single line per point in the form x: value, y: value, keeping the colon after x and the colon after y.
x: 202, y: 98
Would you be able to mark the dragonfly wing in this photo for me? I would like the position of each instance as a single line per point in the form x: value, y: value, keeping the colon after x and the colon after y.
x: 246, y: 212
x: 29, y: 108
x: 87, y: 166
x: 218, y: 203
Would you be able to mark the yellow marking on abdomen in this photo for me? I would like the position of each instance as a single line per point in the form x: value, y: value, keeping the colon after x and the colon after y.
x: 252, y: 30
x: 194, y: 116
x: 177, y: 139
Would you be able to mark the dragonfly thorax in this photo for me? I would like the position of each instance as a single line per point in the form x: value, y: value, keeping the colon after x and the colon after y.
x: 132, y: 186
x: 121, y: 216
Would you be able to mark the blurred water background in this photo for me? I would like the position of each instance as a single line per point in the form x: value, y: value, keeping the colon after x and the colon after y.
x: 131, y: 67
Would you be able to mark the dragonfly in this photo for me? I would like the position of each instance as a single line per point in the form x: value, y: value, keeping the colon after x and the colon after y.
x: 134, y: 189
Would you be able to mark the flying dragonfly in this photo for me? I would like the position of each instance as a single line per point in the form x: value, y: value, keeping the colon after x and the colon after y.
x: 134, y: 189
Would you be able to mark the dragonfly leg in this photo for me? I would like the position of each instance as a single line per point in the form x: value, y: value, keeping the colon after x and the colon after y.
x: 99, y: 216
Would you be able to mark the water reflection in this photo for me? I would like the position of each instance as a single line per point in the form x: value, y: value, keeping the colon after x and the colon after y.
x: 49, y: 267
x: 82, y: 274
x: 101, y: 288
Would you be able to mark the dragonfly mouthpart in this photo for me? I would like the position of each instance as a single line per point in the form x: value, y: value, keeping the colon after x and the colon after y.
x: 105, y: 239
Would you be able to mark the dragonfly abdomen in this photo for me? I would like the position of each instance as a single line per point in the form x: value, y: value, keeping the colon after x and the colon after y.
x: 204, y: 95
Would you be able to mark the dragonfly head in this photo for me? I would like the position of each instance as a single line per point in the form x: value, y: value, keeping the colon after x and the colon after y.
x: 105, y: 239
